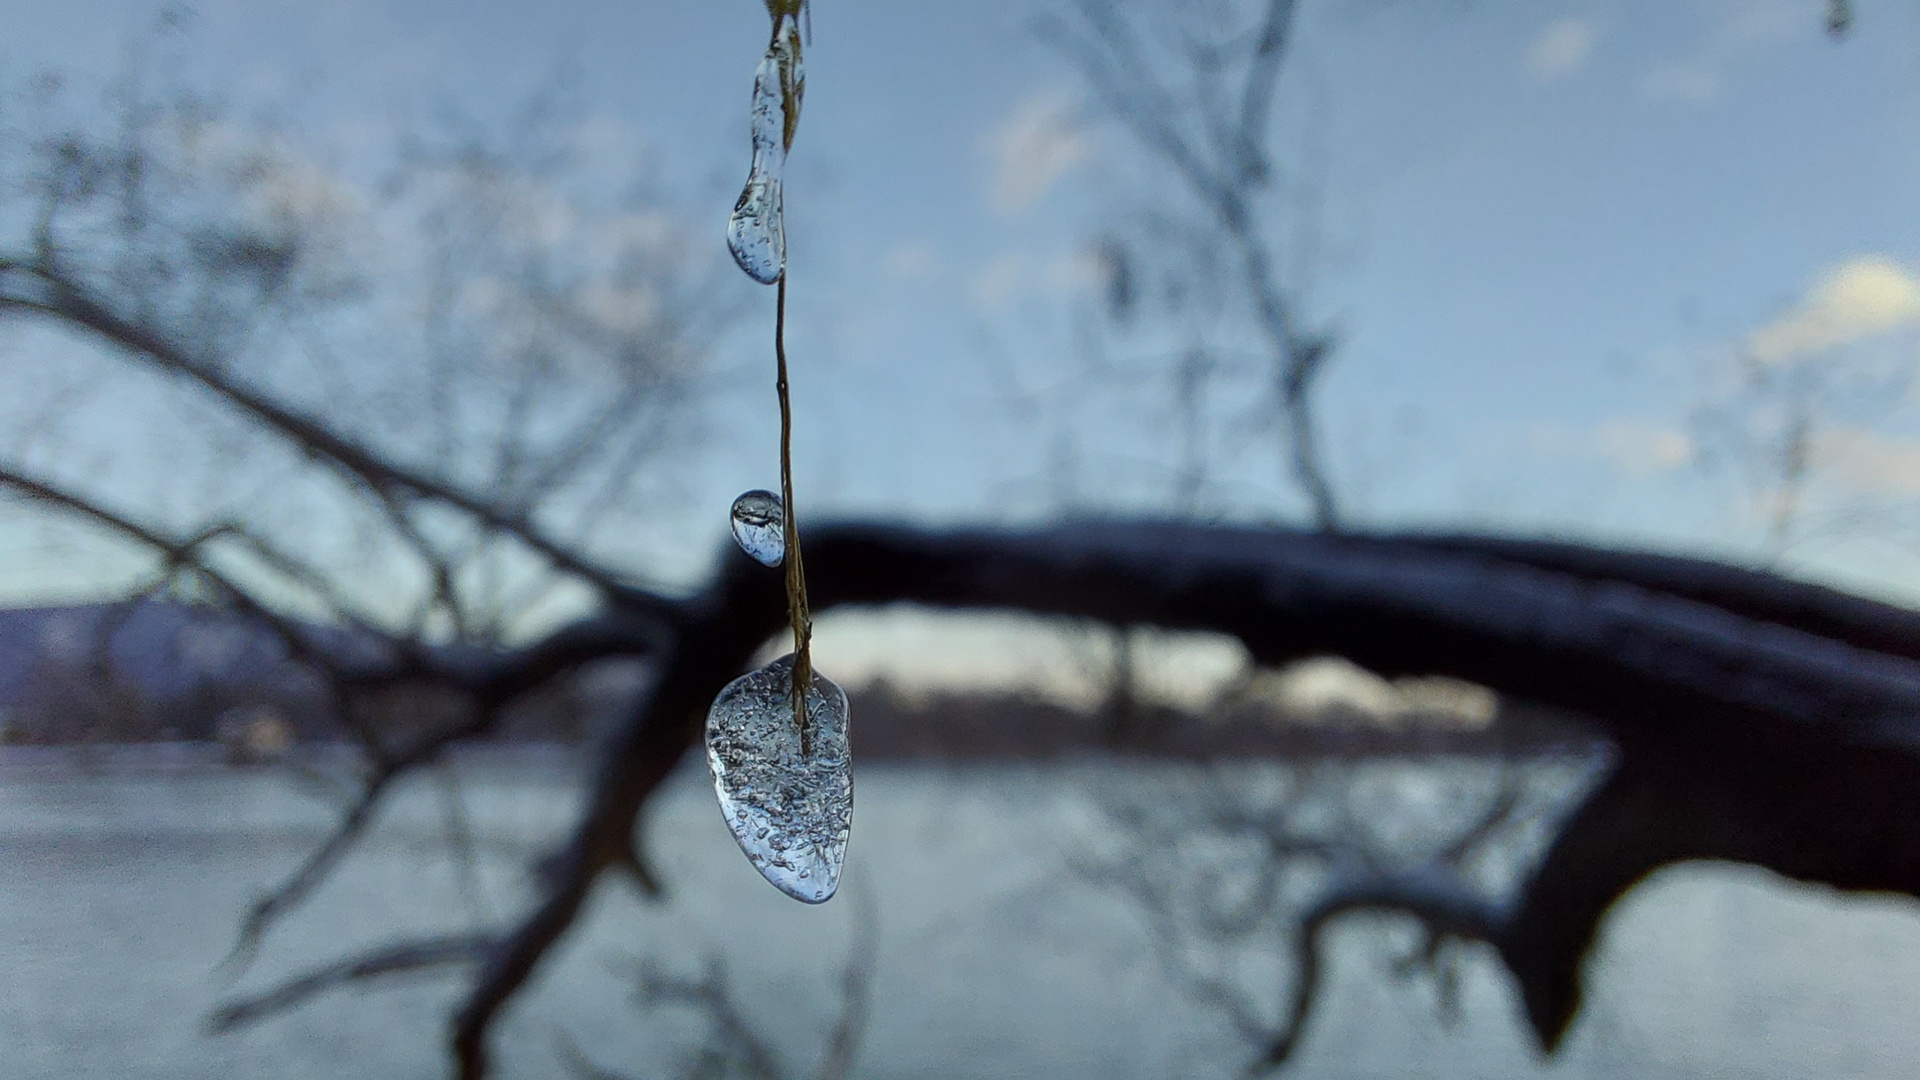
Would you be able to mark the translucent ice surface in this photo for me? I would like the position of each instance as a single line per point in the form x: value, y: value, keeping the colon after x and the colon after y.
x: 791, y: 811
x: 760, y: 526
x: 756, y: 233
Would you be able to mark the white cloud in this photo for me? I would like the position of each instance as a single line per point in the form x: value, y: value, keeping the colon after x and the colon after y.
x: 1018, y: 273
x: 911, y: 260
x: 1038, y: 144
x: 1869, y: 463
x: 1735, y: 34
x: 921, y: 652
x: 1075, y: 271
x: 996, y: 282
x: 1693, y: 83
x: 1860, y: 298
x: 1560, y: 49
x: 1640, y: 447
x: 1330, y: 690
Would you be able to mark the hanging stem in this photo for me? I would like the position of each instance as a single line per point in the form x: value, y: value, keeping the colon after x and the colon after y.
x: 797, y: 612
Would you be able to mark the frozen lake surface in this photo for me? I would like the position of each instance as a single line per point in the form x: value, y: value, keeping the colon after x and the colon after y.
x: 121, y: 881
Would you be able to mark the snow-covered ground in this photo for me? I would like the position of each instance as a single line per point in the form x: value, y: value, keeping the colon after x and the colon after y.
x: 121, y: 880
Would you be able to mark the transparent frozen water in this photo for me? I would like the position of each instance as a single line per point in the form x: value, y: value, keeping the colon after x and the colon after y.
x: 790, y: 810
x: 760, y: 526
x: 756, y: 233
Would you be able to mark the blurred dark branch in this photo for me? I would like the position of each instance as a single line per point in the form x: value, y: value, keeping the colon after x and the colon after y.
x: 1227, y: 179
x: 732, y: 1037
x: 179, y: 554
x: 1257, y: 92
x: 1438, y: 895
x: 404, y: 958
x: 711, y: 649
x: 300, y: 572
x: 445, y: 595
x: 578, y: 1061
x: 491, y: 686
x: 733, y: 1046
x: 592, y: 439
x: 1622, y: 650
x: 39, y: 288
x: 459, y: 833
x: 1447, y: 909
x: 1741, y: 737
x: 1110, y: 56
x: 1213, y: 856
x: 1751, y: 594
x: 856, y: 990
x: 319, y: 862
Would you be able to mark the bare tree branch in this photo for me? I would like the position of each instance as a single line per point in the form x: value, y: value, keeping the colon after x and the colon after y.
x: 1227, y: 180
x: 1256, y: 98
x: 734, y: 1046
x: 491, y: 687
x: 69, y: 302
x: 177, y: 553
x: 459, y: 833
x: 1446, y: 909
x: 1763, y: 706
x: 404, y: 958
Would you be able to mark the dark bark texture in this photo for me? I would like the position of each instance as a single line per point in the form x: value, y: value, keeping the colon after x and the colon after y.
x: 1759, y: 719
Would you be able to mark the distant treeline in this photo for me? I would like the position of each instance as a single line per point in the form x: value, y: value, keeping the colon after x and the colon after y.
x: 167, y: 671
x: 891, y: 725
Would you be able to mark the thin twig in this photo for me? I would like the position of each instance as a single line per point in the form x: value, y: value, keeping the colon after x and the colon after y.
x: 797, y: 613
x: 70, y: 302
x: 459, y: 830
x: 856, y: 987
x: 412, y: 956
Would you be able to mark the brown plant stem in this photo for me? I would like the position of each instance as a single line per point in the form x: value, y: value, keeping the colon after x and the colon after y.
x: 797, y: 613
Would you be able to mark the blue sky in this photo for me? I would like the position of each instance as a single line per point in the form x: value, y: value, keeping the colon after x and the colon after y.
x: 1550, y: 231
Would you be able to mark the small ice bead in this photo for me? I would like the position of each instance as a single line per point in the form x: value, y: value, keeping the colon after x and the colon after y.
x: 760, y: 527
x: 790, y: 811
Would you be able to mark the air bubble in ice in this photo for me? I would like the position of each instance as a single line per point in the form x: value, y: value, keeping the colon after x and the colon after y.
x: 760, y: 527
x: 756, y: 233
x: 790, y: 810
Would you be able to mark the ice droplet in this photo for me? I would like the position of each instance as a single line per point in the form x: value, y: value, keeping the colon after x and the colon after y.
x: 760, y: 526
x: 756, y: 233
x: 790, y: 811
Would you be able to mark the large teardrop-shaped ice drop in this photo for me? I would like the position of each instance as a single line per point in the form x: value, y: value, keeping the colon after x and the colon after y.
x: 760, y: 526
x: 791, y: 811
x: 756, y: 233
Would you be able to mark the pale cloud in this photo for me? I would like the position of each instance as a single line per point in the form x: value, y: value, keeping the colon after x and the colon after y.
x: 1560, y: 49
x: 1041, y: 142
x: 1736, y: 32
x: 1860, y: 298
x: 1693, y: 83
x: 1013, y: 274
x: 1869, y: 463
x: 1333, y: 690
x: 995, y: 284
x: 911, y: 260
x: 1642, y: 448
x: 1075, y: 271
x: 920, y: 652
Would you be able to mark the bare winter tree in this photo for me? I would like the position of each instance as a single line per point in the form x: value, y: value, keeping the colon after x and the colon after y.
x: 1196, y: 85
x: 1239, y: 867
x: 372, y: 492
x: 1206, y: 284
x: 1816, y: 417
x: 732, y: 1045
